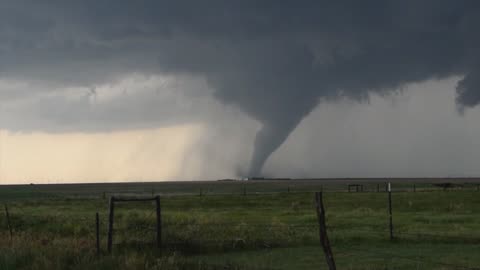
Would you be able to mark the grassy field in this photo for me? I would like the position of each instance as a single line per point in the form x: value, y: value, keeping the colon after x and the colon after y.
x: 214, y: 225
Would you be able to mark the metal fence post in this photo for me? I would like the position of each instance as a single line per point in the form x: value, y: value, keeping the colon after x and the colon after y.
x: 97, y: 232
x: 390, y: 209
x: 159, y: 222
x: 110, y: 224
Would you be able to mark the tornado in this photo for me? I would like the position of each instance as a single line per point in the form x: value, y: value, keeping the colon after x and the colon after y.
x: 274, y: 61
x: 268, y: 139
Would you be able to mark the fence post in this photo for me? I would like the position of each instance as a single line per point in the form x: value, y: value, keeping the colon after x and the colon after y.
x: 378, y: 187
x: 389, y: 187
x: 97, y: 231
x: 244, y: 190
x: 8, y: 222
x: 159, y: 222
x: 414, y: 188
x: 110, y: 224
x: 320, y: 209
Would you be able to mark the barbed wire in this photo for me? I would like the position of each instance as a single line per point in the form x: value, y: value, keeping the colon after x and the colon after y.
x: 234, y: 225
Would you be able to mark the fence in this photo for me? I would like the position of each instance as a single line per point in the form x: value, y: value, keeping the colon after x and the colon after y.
x: 211, y: 188
x: 192, y: 235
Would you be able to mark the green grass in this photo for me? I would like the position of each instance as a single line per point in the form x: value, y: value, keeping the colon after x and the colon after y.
x: 55, y: 230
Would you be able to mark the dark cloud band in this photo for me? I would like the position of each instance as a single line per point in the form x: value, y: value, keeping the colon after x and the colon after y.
x: 273, y: 59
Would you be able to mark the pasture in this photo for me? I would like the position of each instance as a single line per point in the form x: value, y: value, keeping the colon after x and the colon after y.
x: 241, y: 225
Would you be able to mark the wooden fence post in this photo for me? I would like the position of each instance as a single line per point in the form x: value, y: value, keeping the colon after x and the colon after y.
x: 378, y: 187
x: 159, y: 222
x: 97, y: 232
x: 323, y: 231
x: 110, y: 224
x: 414, y: 188
x: 390, y: 209
x: 244, y: 190
x: 8, y: 222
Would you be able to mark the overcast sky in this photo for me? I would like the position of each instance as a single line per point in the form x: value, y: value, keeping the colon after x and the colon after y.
x: 162, y: 90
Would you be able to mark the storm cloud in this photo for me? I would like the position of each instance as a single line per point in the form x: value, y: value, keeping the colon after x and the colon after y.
x: 274, y: 60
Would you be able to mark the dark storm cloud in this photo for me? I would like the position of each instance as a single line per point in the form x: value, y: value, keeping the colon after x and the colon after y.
x: 273, y: 59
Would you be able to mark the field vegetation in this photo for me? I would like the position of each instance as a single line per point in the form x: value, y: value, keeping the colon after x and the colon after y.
x: 242, y: 227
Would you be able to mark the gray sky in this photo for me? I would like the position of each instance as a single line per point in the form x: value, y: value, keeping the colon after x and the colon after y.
x: 344, y: 88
